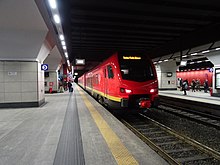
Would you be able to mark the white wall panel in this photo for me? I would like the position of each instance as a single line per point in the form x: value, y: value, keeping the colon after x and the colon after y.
x: 12, y: 76
x: 2, y: 87
x: 12, y: 97
x: 29, y: 76
x: 29, y: 86
x: 1, y: 66
x: 29, y: 66
x: 1, y: 76
x: 12, y: 87
x: 2, y: 97
x: 12, y: 66
x: 29, y: 97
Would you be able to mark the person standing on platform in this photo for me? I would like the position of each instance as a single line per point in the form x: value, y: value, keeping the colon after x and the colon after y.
x: 206, y: 86
x: 198, y: 85
x: 184, y: 86
x: 70, y: 86
x: 193, y: 85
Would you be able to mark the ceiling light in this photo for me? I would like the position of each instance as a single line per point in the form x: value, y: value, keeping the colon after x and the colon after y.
x: 63, y: 43
x: 199, y: 61
x: 61, y: 37
x: 206, y: 51
x: 159, y: 61
x: 184, y: 56
x: 207, y: 60
x: 68, y: 62
x: 193, y: 54
x: 64, y: 47
x: 166, y: 60
x: 191, y: 62
x: 53, y: 4
x: 66, y: 54
x: 217, y: 49
x: 56, y: 18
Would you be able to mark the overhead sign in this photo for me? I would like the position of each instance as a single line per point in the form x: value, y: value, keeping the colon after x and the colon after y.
x: 80, y: 61
x: 131, y: 58
x: 44, y: 67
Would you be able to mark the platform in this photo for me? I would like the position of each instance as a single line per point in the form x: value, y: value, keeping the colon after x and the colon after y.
x: 197, y: 101
x: 199, y: 96
x: 71, y: 128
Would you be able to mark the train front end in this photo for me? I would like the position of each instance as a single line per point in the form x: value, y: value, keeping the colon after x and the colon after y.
x: 138, y: 85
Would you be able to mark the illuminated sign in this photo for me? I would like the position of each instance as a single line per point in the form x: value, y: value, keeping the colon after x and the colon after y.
x: 80, y: 61
x: 131, y: 58
x: 44, y: 66
x: 169, y: 74
x: 183, y: 63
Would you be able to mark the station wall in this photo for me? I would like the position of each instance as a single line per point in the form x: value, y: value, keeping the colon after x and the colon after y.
x: 196, y: 74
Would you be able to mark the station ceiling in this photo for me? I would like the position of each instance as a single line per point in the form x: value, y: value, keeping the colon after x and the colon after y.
x: 94, y: 29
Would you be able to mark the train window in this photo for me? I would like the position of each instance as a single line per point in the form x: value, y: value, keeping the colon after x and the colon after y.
x: 136, y: 70
x: 110, y: 72
x: 105, y: 73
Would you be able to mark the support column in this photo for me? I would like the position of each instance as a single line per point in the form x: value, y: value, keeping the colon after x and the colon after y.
x: 166, y: 73
x: 21, y: 84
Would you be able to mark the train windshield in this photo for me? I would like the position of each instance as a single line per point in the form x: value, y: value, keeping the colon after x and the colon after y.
x: 136, y: 69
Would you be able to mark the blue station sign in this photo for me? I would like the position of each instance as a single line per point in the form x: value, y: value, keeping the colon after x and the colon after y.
x: 44, y: 67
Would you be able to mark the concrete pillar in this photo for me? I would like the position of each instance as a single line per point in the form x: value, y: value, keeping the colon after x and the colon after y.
x: 23, y: 47
x: 166, y: 72
x: 54, y: 61
x: 21, y: 84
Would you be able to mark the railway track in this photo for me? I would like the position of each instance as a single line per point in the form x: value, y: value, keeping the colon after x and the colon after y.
x: 203, y: 118
x: 175, y: 148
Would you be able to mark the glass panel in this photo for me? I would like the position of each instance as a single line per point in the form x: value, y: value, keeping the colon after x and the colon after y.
x: 136, y: 69
x: 110, y: 72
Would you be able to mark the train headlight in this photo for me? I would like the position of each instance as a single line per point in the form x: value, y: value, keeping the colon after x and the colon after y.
x: 152, y: 90
x: 123, y: 90
x: 128, y: 91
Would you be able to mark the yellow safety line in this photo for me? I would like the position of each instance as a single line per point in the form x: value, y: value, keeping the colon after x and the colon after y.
x: 119, y: 151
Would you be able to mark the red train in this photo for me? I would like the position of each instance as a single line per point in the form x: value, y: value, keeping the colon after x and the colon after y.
x: 123, y: 82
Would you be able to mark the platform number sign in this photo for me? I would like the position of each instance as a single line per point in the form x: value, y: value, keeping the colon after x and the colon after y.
x: 44, y: 67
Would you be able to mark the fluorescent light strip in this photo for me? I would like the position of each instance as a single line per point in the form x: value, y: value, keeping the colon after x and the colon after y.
x: 61, y: 37
x: 56, y: 18
x: 64, y: 47
x: 184, y: 56
x: 206, y: 51
x: 53, y: 4
x: 217, y: 49
x: 63, y: 43
x: 193, y: 54
x: 66, y: 54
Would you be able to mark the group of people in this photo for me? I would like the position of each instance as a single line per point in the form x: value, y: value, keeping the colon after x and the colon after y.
x: 65, y: 86
x: 195, y: 85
